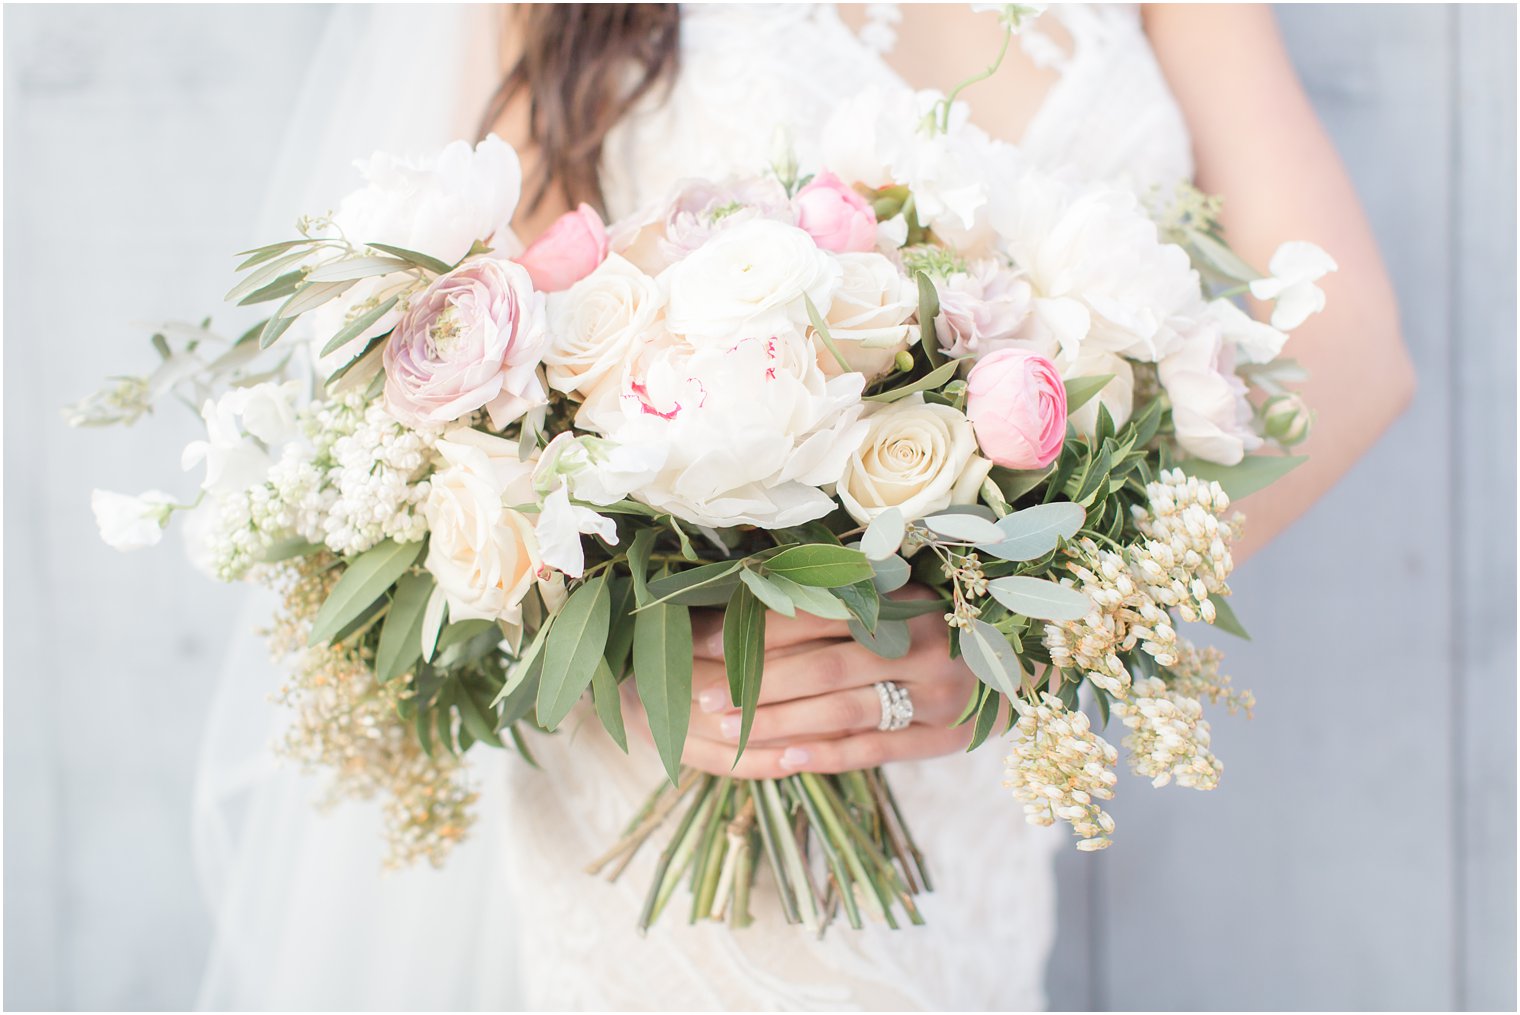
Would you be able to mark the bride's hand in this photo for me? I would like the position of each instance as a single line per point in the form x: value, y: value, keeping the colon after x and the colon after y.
x: 818, y: 709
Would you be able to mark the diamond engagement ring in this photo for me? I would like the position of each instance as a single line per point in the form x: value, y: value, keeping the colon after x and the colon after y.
x: 896, y: 706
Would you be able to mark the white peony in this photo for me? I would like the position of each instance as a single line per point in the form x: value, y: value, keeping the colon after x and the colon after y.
x: 867, y: 318
x: 438, y: 205
x: 1117, y: 396
x: 131, y: 523
x: 594, y: 324
x: 481, y: 548
x: 1295, y: 267
x: 1101, y: 275
x: 750, y: 429
x: 919, y: 457
x: 1213, y: 419
x: 979, y: 308
x: 242, y: 427
x: 749, y: 281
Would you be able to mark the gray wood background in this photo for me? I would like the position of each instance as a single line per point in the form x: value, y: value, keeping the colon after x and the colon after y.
x: 1362, y: 852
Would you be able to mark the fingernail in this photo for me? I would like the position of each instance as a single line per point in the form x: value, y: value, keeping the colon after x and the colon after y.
x: 730, y: 727
x: 794, y: 757
x: 712, y: 700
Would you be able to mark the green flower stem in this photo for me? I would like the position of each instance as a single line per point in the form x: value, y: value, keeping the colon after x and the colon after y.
x: 744, y: 878
x: 949, y: 100
x: 902, y: 826
x: 679, y: 848
x: 827, y: 805
x: 706, y: 884
x: 837, y: 867
x: 806, y: 893
x: 768, y: 840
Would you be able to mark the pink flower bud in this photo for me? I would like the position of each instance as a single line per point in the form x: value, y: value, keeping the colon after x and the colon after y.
x: 836, y: 217
x: 567, y: 252
x: 1017, y: 405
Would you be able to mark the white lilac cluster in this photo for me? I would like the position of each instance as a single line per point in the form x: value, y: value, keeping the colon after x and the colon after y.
x: 1168, y: 738
x: 1059, y: 768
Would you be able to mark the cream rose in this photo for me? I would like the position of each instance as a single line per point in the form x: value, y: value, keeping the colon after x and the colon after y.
x: 866, y: 318
x: 482, y: 551
x: 918, y: 457
x: 595, y: 322
x: 749, y: 281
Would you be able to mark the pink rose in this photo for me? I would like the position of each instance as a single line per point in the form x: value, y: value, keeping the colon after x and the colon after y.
x: 1017, y: 404
x: 473, y: 339
x: 836, y: 217
x: 567, y: 252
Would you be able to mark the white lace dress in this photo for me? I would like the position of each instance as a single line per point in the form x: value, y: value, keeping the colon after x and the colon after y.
x: 746, y: 70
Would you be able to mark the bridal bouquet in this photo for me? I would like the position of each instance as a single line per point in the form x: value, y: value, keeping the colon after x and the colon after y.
x: 917, y: 361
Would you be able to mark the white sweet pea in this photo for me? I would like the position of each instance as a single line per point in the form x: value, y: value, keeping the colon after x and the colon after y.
x: 559, y: 528
x: 596, y: 470
x: 242, y: 428
x: 1254, y: 341
x: 1295, y: 268
x: 131, y: 523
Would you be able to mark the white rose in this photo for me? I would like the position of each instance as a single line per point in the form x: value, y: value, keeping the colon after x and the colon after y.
x: 1118, y: 395
x: 866, y: 318
x: 748, y: 429
x: 1213, y: 419
x: 438, y: 205
x: 242, y: 427
x: 918, y: 457
x: 749, y: 281
x: 131, y: 523
x: 594, y: 323
x: 481, y: 549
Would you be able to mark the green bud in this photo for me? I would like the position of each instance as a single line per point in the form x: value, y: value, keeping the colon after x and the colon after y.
x: 1286, y: 419
x: 904, y: 360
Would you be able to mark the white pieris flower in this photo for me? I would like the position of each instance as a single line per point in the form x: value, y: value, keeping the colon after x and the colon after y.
x: 1295, y: 268
x: 131, y: 523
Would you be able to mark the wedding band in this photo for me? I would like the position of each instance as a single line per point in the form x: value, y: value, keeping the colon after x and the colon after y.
x: 896, y: 706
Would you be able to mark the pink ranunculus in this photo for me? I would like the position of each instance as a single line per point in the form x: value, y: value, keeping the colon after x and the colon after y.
x: 567, y: 252
x: 836, y: 217
x: 1017, y: 404
x: 473, y: 339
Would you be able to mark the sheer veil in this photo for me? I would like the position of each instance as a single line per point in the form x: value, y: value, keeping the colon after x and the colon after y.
x: 303, y: 916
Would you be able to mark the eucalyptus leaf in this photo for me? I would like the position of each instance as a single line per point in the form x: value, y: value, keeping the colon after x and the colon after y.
x: 365, y: 580
x: 890, y: 640
x: 662, y: 665
x: 1039, y: 598
x: 891, y: 574
x: 1252, y: 473
x: 1035, y: 531
x: 863, y: 601
x: 884, y: 535
x: 573, y: 650
x: 991, y: 658
x: 966, y: 528
x: 401, y: 634
x: 821, y: 565
x: 906, y: 609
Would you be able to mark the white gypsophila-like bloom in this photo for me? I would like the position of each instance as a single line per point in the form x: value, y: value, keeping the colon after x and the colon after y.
x: 1185, y: 557
x: 1102, y: 276
x: 1059, y: 768
x: 1196, y: 675
x: 1168, y: 738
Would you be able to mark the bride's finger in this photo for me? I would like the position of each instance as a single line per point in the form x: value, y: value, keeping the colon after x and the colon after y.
x: 867, y: 750
x: 843, y: 712
x: 780, y: 631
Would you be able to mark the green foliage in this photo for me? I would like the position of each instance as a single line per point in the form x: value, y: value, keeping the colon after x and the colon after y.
x: 662, y: 665
x: 367, y: 577
x: 821, y: 565
x: 1252, y: 473
x: 744, y: 656
x: 574, y: 650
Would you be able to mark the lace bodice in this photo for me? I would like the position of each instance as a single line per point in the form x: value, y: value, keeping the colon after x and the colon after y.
x: 749, y: 70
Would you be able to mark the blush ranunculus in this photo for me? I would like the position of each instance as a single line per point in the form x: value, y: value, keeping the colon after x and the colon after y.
x: 567, y: 252
x: 1017, y: 403
x: 837, y: 218
x: 473, y: 339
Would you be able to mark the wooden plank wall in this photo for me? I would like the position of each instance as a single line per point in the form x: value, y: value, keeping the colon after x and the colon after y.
x: 1362, y: 852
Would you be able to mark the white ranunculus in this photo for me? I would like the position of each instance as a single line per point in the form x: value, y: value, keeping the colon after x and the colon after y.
x: 1100, y: 273
x: 750, y: 429
x: 866, y: 318
x: 919, y: 457
x: 242, y: 428
x: 481, y: 549
x: 594, y: 324
x: 131, y: 523
x: 1117, y: 396
x: 749, y: 281
x: 1295, y: 268
x: 1213, y: 419
x: 438, y: 205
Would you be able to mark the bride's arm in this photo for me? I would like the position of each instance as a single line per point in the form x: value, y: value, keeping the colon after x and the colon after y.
x: 1258, y: 142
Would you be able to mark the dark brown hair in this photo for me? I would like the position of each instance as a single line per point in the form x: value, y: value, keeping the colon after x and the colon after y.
x: 583, y: 67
